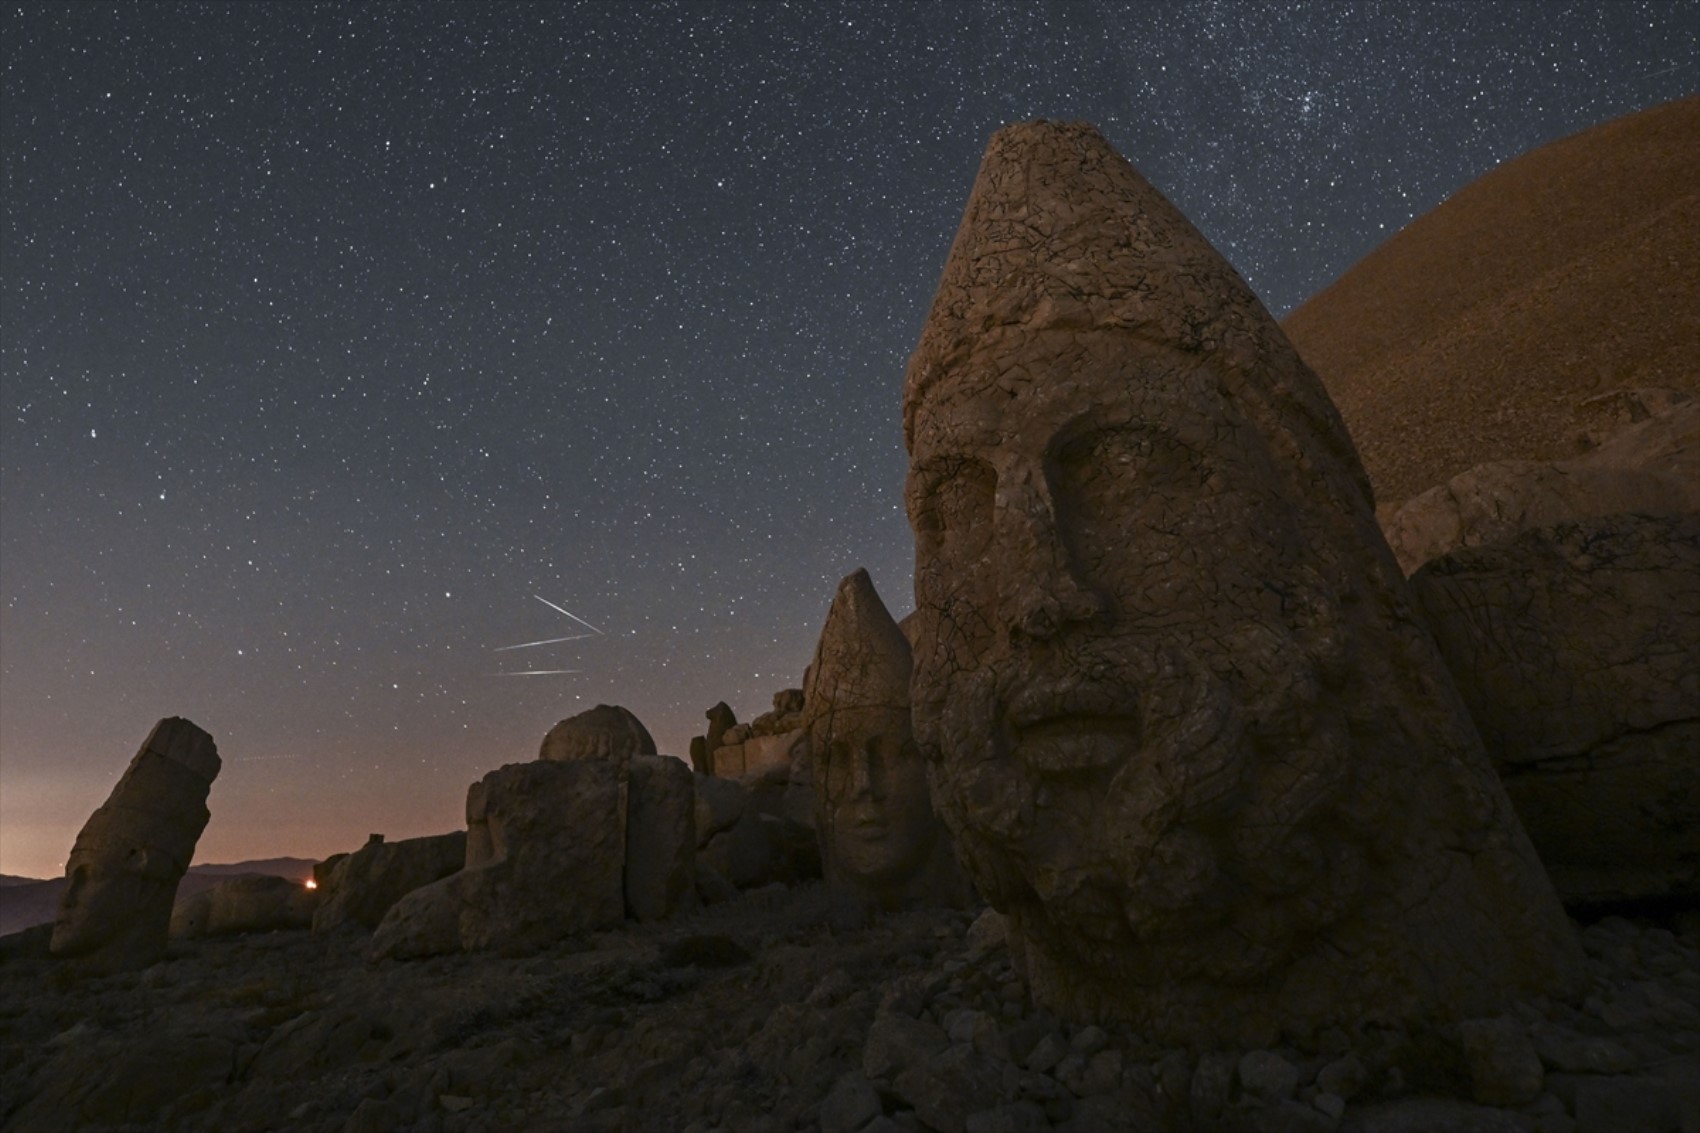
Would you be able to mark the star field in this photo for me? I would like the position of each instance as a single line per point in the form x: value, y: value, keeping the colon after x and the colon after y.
x: 334, y: 337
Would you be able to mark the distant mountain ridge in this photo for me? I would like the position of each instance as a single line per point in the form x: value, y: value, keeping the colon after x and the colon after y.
x: 1476, y: 332
x: 28, y: 901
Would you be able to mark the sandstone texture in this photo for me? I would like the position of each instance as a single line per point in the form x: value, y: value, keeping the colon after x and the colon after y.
x: 555, y: 838
x: 1577, y: 648
x: 360, y: 887
x: 880, y: 838
x: 766, y: 1013
x: 244, y: 904
x: 604, y: 732
x: 1180, y: 712
x: 1651, y: 467
x: 122, y: 875
x: 1473, y: 334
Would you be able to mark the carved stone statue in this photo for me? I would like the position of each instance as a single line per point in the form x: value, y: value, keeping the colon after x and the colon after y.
x: 122, y: 875
x: 1182, y: 717
x: 879, y: 836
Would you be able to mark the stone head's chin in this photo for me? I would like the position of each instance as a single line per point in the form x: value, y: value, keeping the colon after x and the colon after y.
x: 1152, y: 833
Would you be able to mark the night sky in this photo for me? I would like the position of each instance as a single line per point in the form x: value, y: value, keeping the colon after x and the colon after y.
x: 335, y: 338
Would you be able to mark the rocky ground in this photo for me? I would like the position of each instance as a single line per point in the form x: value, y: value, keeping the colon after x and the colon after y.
x: 784, y: 1010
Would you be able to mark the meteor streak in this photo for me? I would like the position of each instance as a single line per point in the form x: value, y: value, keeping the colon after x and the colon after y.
x: 545, y: 641
x: 538, y: 673
x: 567, y: 612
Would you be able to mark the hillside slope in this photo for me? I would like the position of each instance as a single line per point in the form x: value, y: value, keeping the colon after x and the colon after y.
x: 1474, y: 333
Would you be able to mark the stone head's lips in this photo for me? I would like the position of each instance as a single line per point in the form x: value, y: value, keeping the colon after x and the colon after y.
x: 1073, y: 725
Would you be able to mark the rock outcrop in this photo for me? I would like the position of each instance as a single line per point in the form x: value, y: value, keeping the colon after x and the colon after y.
x: 1577, y: 648
x: 1182, y: 716
x: 359, y: 888
x: 1651, y: 467
x: 879, y: 836
x: 244, y: 904
x: 122, y: 875
x: 550, y: 862
x: 604, y: 732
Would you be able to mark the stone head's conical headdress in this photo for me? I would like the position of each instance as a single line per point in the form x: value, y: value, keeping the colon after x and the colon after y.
x: 1061, y: 233
x: 860, y: 674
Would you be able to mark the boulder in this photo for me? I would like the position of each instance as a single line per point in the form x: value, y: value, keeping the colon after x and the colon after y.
x: 661, y: 844
x: 244, y: 904
x: 604, y: 732
x: 557, y: 838
x: 879, y: 836
x: 719, y: 803
x: 1179, y: 709
x: 360, y: 887
x: 122, y: 875
x: 1577, y: 648
x: 1652, y: 467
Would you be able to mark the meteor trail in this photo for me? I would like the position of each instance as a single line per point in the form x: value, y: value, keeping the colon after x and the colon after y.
x: 538, y: 673
x: 567, y: 612
x: 545, y: 641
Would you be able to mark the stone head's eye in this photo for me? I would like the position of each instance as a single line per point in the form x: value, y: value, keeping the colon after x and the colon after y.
x: 953, y: 506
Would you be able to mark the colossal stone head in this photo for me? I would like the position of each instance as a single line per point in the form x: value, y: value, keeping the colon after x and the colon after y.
x: 873, y: 812
x: 122, y: 875
x: 1180, y: 713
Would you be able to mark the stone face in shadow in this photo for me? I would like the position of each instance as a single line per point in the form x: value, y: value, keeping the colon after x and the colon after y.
x: 1181, y: 713
x: 123, y: 871
x: 878, y: 833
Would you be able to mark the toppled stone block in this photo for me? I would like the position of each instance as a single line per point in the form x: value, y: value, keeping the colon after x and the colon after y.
x: 556, y: 833
x: 1577, y: 649
x: 359, y: 888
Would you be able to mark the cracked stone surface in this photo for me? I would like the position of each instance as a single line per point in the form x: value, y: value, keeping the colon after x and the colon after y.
x: 1577, y: 649
x: 1181, y: 714
x: 129, y: 856
x: 880, y: 838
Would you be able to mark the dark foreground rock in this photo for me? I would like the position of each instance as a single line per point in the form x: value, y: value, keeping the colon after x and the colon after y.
x: 1577, y: 648
x: 776, y: 1011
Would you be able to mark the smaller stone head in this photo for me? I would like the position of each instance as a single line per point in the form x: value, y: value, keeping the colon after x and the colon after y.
x: 878, y: 832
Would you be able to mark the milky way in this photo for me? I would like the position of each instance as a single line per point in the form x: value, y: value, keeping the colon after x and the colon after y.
x: 335, y: 337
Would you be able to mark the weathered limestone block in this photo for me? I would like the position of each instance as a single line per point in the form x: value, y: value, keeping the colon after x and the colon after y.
x: 880, y: 839
x: 244, y: 904
x: 557, y: 838
x: 360, y: 887
x: 1577, y: 648
x: 1180, y: 712
x: 1652, y: 467
x: 123, y: 871
x: 661, y: 844
x: 604, y: 732
x: 760, y: 756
